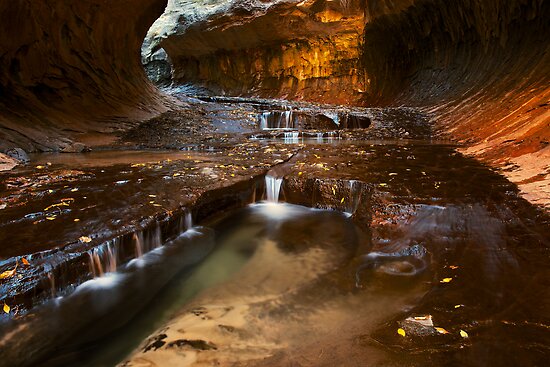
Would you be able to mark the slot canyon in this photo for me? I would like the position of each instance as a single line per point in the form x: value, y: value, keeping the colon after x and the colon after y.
x: 274, y: 183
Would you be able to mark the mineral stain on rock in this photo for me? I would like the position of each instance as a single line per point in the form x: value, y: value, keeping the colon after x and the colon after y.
x: 194, y: 344
x: 155, y: 343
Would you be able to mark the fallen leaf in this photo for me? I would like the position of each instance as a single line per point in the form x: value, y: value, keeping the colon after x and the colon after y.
x: 446, y: 280
x: 3, y: 206
x: 8, y: 273
x: 6, y: 308
x: 40, y: 167
x: 74, y: 190
x: 441, y: 330
x: 463, y: 334
x: 85, y: 239
x: 422, y: 317
x: 300, y: 173
x: 152, y: 196
x: 458, y: 306
x: 51, y: 218
x: 25, y: 262
x: 383, y: 184
x: 343, y: 199
x: 401, y: 332
x: 76, y: 220
x: 392, y: 174
x: 453, y: 267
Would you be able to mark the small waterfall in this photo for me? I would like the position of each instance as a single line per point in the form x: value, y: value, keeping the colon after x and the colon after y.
x: 138, y: 240
x: 263, y: 120
x: 291, y: 136
x: 181, y: 224
x: 188, y: 219
x: 354, y: 197
x: 103, y: 259
x: 155, y: 239
x: 277, y: 120
x: 272, y: 188
x: 286, y: 120
x: 51, y: 280
x: 319, y: 136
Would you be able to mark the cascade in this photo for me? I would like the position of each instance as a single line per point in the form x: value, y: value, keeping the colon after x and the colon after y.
x: 138, y: 239
x: 291, y: 136
x: 277, y: 120
x: 188, y: 220
x: 273, y: 187
x: 354, y: 197
x: 103, y: 259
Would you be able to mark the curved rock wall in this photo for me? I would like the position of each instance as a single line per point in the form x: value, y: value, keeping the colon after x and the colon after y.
x: 289, y: 49
x: 72, y: 67
x: 481, y: 68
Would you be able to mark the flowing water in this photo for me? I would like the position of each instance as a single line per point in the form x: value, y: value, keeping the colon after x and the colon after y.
x: 356, y: 240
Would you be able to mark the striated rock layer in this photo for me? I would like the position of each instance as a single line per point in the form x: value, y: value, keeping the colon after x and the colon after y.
x: 72, y: 67
x: 480, y: 68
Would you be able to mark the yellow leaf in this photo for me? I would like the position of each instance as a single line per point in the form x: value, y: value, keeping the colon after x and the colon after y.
x: 40, y: 167
x: 6, y: 308
x: 463, y: 334
x: 76, y: 220
x: 401, y: 332
x: 383, y: 184
x: 341, y: 201
x: 458, y: 306
x: 441, y: 330
x: 8, y: 273
x: 300, y: 173
x: 85, y: 239
x: 446, y: 280
x: 25, y: 262
x: 50, y: 218
x: 74, y: 190
x: 421, y: 317
x: 152, y: 196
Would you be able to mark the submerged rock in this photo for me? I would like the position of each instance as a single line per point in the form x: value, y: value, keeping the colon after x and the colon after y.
x: 19, y: 155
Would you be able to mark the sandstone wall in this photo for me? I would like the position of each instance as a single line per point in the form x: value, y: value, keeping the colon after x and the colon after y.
x: 68, y: 68
x: 481, y: 68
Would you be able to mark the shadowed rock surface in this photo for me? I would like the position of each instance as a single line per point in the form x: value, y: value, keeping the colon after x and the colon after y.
x: 70, y: 68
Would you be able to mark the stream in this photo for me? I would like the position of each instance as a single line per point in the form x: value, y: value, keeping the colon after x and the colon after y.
x: 321, y: 238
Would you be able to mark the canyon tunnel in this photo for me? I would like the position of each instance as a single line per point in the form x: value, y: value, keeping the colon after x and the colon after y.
x: 274, y: 182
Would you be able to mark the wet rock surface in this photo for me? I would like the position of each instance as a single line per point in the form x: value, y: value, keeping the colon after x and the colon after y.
x: 445, y: 231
